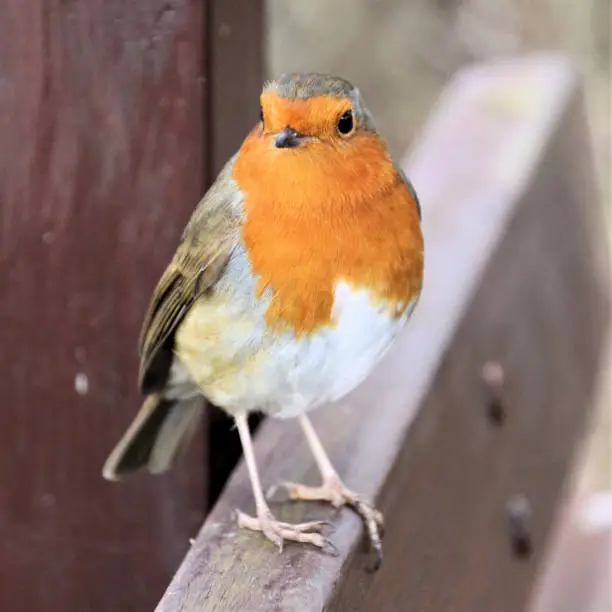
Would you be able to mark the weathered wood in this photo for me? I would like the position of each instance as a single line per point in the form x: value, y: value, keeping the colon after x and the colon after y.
x: 235, y: 33
x: 106, y: 115
x: 510, y: 221
x: 102, y: 160
x: 578, y: 570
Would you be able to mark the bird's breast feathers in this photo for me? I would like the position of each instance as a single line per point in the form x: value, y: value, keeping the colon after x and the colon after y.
x: 241, y: 364
x: 307, y: 304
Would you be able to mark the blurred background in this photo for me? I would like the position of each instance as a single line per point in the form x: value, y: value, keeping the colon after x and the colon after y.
x: 419, y: 44
x: 114, y: 118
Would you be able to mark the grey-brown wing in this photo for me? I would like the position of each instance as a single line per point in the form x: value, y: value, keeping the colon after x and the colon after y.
x: 411, y: 189
x: 206, y: 245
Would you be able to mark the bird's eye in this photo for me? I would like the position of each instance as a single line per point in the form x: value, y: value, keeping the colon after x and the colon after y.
x: 261, y: 117
x: 345, y: 123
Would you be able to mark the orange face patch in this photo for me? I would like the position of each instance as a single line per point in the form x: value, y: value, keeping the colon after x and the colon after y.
x: 313, y: 117
x: 326, y: 211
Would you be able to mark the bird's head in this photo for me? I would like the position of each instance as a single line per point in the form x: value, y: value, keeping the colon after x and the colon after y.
x: 305, y: 110
x: 315, y: 135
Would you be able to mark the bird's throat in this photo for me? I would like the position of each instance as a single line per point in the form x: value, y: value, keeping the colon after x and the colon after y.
x: 306, y: 230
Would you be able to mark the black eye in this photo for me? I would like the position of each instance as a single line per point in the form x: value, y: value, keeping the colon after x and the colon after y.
x: 345, y: 123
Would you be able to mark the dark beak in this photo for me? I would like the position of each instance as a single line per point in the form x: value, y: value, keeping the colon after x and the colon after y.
x: 287, y: 138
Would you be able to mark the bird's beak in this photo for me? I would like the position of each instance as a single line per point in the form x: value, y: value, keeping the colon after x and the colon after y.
x: 288, y: 138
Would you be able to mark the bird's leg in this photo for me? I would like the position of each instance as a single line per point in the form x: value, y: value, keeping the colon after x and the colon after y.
x: 275, y: 531
x: 334, y: 491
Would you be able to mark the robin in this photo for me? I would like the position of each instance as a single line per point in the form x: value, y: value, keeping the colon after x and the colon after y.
x: 292, y: 278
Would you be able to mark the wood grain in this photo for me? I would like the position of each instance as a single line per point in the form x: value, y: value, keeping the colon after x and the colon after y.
x: 101, y: 163
x: 236, y: 73
x: 512, y: 274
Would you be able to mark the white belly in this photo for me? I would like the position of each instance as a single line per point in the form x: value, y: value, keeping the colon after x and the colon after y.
x: 286, y: 377
x: 340, y: 358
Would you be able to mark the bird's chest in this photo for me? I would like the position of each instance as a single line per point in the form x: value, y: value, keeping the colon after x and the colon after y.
x: 242, y: 363
x: 330, y: 362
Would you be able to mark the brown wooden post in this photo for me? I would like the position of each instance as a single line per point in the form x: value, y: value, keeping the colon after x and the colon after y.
x: 104, y: 151
x: 236, y: 70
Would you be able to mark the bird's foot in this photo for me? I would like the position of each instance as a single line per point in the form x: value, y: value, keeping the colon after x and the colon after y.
x: 277, y: 532
x: 334, y: 492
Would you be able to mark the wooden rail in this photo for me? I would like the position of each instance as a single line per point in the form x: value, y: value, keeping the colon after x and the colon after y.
x: 511, y: 222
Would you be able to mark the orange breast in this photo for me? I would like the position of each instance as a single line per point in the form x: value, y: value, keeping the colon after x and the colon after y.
x: 320, y: 214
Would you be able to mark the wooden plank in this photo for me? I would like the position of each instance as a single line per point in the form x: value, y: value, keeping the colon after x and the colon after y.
x: 576, y: 572
x: 101, y: 163
x: 511, y: 274
x: 578, y: 569
x: 236, y: 30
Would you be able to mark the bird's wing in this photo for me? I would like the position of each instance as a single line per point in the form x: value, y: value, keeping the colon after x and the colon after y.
x: 205, y: 247
x: 411, y: 189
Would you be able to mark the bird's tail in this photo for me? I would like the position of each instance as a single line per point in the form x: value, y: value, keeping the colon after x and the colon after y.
x: 157, y: 436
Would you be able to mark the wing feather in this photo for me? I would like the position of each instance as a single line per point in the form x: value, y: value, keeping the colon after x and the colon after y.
x: 203, y: 252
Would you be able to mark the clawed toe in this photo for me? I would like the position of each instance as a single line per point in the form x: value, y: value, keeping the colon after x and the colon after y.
x: 278, y: 531
x: 334, y: 492
x: 374, y: 525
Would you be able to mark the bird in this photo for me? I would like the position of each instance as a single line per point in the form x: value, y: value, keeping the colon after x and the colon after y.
x: 294, y: 275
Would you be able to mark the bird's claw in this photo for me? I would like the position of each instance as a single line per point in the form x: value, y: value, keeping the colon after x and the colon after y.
x: 375, y: 527
x: 334, y: 492
x: 277, y: 532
